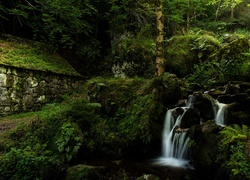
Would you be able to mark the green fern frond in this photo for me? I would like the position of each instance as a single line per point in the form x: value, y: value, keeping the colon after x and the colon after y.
x: 245, y: 130
x: 235, y: 132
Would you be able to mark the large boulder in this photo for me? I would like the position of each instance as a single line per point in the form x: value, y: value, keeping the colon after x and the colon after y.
x: 190, y: 117
x: 185, y: 51
x: 233, y: 49
x: 232, y: 98
x: 204, y: 104
x: 239, y: 117
x: 204, y: 148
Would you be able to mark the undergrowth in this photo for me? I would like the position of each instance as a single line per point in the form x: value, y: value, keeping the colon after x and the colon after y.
x: 232, y: 154
x: 115, y: 117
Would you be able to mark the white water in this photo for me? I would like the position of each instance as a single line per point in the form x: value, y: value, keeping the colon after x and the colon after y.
x: 189, y: 103
x: 220, y: 113
x: 175, y: 143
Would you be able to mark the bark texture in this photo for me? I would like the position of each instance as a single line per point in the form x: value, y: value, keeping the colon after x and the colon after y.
x: 160, y: 69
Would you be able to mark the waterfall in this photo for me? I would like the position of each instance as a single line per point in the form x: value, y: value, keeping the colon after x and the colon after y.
x: 175, y: 142
x: 220, y: 112
x: 175, y: 150
x: 190, y: 101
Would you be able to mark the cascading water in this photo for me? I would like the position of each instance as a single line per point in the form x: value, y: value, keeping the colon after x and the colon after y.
x: 220, y: 112
x: 175, y: 142
x: 190, y: 101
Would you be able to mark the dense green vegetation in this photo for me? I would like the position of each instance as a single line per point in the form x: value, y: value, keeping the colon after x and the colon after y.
x: 206, y: 45
x: 62, y: 132
x: 232, y: 147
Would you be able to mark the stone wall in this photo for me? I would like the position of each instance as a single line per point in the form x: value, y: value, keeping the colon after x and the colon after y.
x: 26, y: 90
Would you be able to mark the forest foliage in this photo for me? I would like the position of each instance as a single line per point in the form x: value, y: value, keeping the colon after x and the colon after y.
x: 98, y: 32
x: 206, y: 44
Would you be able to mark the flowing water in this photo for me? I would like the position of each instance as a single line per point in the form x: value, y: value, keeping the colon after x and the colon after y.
x: 175, y: 142
x: 220, y: 113
x: 175, y: 151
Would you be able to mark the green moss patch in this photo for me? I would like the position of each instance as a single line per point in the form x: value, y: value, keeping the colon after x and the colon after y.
x: 28, y: 54
x: 185, y: 51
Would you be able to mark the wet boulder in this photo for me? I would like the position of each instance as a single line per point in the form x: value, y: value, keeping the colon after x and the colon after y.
x: 217, y: 92
x: 227, y: 98
x: 245, y: 105
x: 240, y: 97
x: 239, y: 117
x: 232, y: 88
x: 245, y: 87
x: 232, y: 98
x: 204, y: 104
x: 235, y: 106
x: 190, y: 117
x: 205, y: 147
x: 178, y: 111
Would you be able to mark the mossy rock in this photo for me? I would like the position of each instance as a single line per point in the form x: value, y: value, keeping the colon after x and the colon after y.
x: 167, y: 89
x: 190, y: 117
x: 233, y: 50
x: 81, y: 171
x: 182, y: 52
x: 239, y: 117
x: 205, y: 147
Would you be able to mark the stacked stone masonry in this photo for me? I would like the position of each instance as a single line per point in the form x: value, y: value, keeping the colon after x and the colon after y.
x: 26, y: 90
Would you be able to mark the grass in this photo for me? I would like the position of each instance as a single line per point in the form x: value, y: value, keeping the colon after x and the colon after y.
x: 11, y: 122
x: 28, y: 54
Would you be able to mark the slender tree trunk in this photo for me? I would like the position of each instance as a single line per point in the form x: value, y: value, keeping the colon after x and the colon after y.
x: 160, y: 69
x: 188, y: 17
x: 218, y: 10
x: 232, y: 9
x: 232, y: 13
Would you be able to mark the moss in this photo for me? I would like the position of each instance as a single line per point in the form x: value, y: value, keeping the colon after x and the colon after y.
x: 233, y: 50
x: 205, y: 146
x: 28, y: 54
x: 185, y: 51
x: 82, y: 171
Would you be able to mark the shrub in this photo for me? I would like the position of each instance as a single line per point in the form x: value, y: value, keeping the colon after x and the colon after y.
x: 46, y: 144
x: 28, y: 163
x: 233, y: 150
x: 134, y: 56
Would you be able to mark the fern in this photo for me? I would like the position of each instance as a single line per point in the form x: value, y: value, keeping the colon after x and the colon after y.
x: 245, y: 130
x: 233, y: 133
x: 232, y: 150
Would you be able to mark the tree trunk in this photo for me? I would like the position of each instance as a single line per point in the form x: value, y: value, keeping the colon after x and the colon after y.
x: 160, y: 69
x: 188, y: 17
x: 218, y: 10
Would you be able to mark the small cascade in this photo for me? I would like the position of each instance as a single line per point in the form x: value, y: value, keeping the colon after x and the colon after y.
x: 190, y: 100
x: 175, y: 142
x: 175, y: 150
x: 220, y: 112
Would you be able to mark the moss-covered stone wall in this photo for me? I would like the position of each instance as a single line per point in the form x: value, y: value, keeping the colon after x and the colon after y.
x: 26, y: 90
